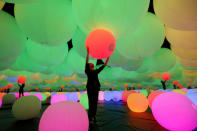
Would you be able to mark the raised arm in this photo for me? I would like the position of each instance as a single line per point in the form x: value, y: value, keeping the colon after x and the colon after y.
x: 87, y: 57
x: 102, y: 67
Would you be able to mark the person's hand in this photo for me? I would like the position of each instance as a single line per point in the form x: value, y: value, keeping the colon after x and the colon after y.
x: 87, y: 49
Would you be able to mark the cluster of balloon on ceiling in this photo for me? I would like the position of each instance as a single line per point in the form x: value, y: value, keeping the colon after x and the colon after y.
x: 34, y: 42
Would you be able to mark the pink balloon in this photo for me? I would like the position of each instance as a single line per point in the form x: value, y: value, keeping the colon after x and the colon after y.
x: 64, y: 116
x: 101, y: 43
x: 38, y: 95
x: 101, y: 96
x: 175, y: 112
x: 58, y: 98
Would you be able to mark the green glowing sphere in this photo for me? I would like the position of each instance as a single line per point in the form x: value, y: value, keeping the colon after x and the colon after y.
x: 84, y: 101
x: 120, y: 17
x: 47, y: 22
x: 145, y: 41
x: 12, y: 40
x: 20, y: 1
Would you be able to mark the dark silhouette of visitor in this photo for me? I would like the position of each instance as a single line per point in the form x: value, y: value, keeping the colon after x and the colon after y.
x: 21, y: 92
x: 93, y: 86
x: 174, y: 86
x: 163, y: 84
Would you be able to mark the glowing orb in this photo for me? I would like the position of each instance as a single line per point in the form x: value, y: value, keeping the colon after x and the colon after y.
x: 193, y: 97
x: 189, y: 91
x: 9, y: 99
x: 84, y: 101
x: 0, y: 102
x: 125, y: 95
x: 101, y: 96
x: 179, y: 91
x: 175, y: 82
x: 21, y: 79
x: 108, y: 95
x: 152, y: 97
x: 116, y: 96
x: 26, y: 107
x: 72, y: 96
x: 38, y: 95
x: 64, y: 116
x: 58, y: 98
x: 137, y: 102
x: 174, y: 112
x: 101, y: 43
x: 144, y: 92
x: 166, y: 76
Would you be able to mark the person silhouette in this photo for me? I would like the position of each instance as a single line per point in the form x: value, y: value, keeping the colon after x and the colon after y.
x: 163, y: 84
x: 93, y: 86
x: 21, y: 92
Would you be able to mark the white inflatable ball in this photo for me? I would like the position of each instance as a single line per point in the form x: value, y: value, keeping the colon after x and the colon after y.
x: 9, y: 99
x: 26, y: 107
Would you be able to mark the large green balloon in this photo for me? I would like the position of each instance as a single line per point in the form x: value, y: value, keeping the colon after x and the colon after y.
x: 118, y: 16
x: 145, y: 41
x: 20, y: 1
x: 24, y: 62
x: 46, y: 55
x: 12, y: 40
x: 116, y: 59
x: 132, y: 65
x: 163, y: 60
x: 48, y: 22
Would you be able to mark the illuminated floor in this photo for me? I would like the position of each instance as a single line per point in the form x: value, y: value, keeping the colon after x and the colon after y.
x: 111, y: 116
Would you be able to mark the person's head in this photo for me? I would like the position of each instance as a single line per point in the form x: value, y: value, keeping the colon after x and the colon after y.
x: 91, y: 66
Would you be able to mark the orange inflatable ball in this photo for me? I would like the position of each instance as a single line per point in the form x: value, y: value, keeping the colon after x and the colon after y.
x: 101, y: 43
x: 21, y: 79
x: 137, y: 102
x: 152, y: 97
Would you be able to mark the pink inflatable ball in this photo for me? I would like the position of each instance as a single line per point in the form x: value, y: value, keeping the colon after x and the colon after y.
x: 101, y: 96
x: 184, y: 89
x: 152, y: 97
x: 64, y: 116
x: 0, y: 102
x: 38, y: 95
x: 58, y: 98
x: 166, y: 76
x: 175, y: 112
x: 101, y: 43
x: 26, y: 94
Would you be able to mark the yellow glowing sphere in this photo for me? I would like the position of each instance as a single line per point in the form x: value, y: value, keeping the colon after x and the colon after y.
x: 1, y: 5
x: 180, y: 91
x: 137, y: 102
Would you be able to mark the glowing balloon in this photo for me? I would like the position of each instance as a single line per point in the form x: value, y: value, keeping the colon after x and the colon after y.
x: 175, y: 82
x: 26, y: 107
x: 137, y: 102
x: 21, y: 79
x: 120, y: 17
x: 142, y: 43
x: 174, y: 112
x: 6, y: 65
x: 68, y: 116
x: 12, y: 38
x: 9, y: 99
x: 116, y: 96
x: 45, y: 29
x: 101, y: 96
x: 166, y: 76
x: 152, y: 97
x: 20, y: 1
x: 144, y: 92
x: 125, y: 95
x: 72, y: 96
x: 163, y: 60
x: 58, y: 98
x: 173, y: 15
x: 182, y: 39
x: 1, y: 4
x: 193, y: 97
x: 108, y: 95
x: 190, y: 91
x: 38, y: 95
x: 132, y: 65
x: 46, y: 55
x: 179, y: 91
x: 0, y: 102
x: 101, y: 43
x: 84, y: 101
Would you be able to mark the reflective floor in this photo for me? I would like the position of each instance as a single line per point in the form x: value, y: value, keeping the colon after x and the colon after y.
x: 111, y: 116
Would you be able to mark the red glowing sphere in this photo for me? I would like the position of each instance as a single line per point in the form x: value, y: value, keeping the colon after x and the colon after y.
x: 175, y: 82
x: 62, y: 87
x: 9, y: 86
x: 126, y: 85
x: 166, y: 76
x: 138, y: 85
x: 21, y: 79
x: 101, y: 43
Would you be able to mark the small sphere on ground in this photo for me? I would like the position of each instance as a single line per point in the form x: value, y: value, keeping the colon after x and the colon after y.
x: 9, y: 99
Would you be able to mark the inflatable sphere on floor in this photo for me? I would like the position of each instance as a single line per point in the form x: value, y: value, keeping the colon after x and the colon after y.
x: 84, y: 101
x: 171, y: 13
x: 179, y: 91
x: 125, y: 95
x: 144, y: 92
x: 38, y: 95
x: 137, y: 102
x: 45, y: 29
x: 193, y: 97
x: 152, y: 97
x: 101, y: 96
x: 175, y: 112
x: 26, y: 107
x: 101, y: 43
x: 9, y: 99
x: 58, y: 98
x: 64, y: 116
x: 12, y: 38
x: 0, y: 102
